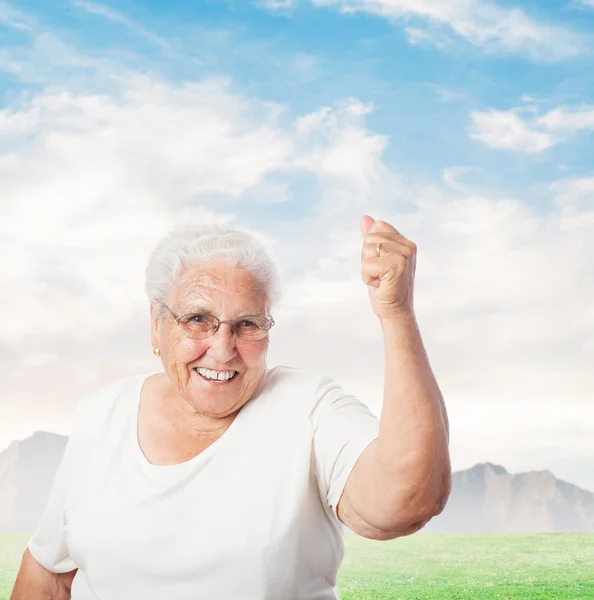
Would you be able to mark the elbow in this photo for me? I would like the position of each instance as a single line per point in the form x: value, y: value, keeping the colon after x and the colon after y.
x: 409, y: 523
x: 444, y: 492
x: 430, y: 500
x: 409, y: 512
x: 437, y: 499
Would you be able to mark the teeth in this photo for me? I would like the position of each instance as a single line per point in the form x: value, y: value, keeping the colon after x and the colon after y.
x: 209, y: 374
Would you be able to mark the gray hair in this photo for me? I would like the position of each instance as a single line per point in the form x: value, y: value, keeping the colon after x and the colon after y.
x: 197, y: 244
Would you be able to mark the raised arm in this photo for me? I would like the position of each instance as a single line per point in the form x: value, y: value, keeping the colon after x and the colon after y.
x: 35, y: 582
x: 403, y: 478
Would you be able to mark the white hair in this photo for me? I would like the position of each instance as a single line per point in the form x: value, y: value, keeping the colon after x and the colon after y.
x: 199, y: 244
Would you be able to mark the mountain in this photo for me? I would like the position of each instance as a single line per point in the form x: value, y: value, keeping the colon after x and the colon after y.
x: 27, y: 470
x: 488, y: 499
x: 485, y: 498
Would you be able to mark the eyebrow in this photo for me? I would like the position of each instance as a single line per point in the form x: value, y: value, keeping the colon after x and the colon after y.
x: 198, y: 309
x: 207, y: 311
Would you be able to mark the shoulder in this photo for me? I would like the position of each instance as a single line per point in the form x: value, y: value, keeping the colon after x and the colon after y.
x: 94, y: 409
x: 303, y: 390
x: 301, y: 381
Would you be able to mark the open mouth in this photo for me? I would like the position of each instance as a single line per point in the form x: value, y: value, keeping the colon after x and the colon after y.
x: 216, y: 377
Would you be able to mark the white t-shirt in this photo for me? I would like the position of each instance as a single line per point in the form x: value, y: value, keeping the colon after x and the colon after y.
x: 252, y: 517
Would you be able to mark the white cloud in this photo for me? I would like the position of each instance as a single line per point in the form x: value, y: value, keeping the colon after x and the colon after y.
x: 575, y: 195
x: 100, y: 164
x: 568, y: 119
x: 507, y: 131
x: 450, y: 176
x: 342, y: 148
x: 479, y: 22
x: 18, y: 123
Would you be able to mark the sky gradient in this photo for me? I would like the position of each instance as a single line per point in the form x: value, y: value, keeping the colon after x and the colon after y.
x: 466, y: 124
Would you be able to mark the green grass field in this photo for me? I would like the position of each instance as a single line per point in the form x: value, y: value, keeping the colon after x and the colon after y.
x: 438, y: 567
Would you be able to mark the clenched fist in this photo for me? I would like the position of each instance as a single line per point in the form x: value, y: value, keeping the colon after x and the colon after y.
x: 388, y: 262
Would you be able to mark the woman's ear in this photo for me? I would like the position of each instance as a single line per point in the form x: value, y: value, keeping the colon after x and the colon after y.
x: 154, y: 326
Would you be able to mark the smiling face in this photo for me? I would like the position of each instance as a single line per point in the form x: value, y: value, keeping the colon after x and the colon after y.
x: 227, y: 292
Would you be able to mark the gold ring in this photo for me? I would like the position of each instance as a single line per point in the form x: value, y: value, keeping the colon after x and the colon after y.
x: 378, y: 249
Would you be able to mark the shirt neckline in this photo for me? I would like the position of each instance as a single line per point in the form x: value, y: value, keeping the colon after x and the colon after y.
x: 195, y: 460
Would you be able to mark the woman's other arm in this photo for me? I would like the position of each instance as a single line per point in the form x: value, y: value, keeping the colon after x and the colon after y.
x: 35, y: 582
x: 47, y: 569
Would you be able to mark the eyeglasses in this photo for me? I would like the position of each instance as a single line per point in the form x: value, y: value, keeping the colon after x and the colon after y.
x: 200, y: 325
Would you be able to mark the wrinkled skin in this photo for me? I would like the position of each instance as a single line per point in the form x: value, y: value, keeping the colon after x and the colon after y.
x: 228, y: 292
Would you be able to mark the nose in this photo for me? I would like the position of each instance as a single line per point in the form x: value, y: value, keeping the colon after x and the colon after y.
x: 222, y: 344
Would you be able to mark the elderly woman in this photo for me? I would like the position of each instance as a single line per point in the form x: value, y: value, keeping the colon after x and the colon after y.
x: 220, y: 478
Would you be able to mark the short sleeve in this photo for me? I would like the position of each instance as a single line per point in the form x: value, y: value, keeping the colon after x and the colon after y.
x: 343, y: 428
x: 48, y: 544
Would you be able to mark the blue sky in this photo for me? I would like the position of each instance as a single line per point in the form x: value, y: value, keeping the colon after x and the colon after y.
x: 468, y: 124
x: 306, y: 56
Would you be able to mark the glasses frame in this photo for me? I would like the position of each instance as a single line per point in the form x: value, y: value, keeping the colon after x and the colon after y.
x: 219, y: 322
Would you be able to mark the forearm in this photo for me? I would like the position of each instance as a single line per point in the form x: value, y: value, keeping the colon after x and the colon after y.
x: 36, y: 583
x: 34, y: 590
x: 412, y: 464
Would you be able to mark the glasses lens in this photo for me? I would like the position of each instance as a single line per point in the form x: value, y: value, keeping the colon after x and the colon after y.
x: 252, y: 328
x: 199, y: 325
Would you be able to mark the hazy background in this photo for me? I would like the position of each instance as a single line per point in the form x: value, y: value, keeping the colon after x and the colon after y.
x: 467, y: 124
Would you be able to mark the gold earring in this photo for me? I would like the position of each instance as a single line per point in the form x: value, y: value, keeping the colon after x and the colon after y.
x: 157, y: 352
